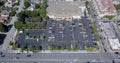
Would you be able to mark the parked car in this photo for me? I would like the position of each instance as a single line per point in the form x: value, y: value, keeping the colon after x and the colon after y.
x: 3, y: 56
x: 28, y: 55
x: 116, y: 52
x: 1, y: 53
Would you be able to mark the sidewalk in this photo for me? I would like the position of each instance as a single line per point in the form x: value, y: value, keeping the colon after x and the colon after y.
x: 52, y: 51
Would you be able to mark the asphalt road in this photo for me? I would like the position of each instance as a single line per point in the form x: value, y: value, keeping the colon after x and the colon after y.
x: 11, y: 34
x: 96, y: 21
x: 58, y: 57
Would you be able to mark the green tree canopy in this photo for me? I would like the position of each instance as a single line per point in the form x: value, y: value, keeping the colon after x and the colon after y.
x: 3, y: 28
x: 1, y: 3
x: 18, y: 25
x: 117, y: 6
x: 37, y: 6
x: 26, y: 4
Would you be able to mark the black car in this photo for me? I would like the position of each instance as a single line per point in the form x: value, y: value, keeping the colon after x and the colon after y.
x: 105, y: 50
x: 3, y: 56
x: 1, y: 53
x: 116, y: 52
x: 18, y: 53
x: 17, y: 57
x: 28, y: 55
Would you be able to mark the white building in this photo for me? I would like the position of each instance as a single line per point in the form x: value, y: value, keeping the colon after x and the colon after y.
x: 111, y: 36
x: 65, y: 9
x: 116, y: 1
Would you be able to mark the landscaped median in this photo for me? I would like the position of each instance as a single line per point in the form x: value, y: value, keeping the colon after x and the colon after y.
x: 94, y: 30
x: 96, y: 38
x: 69, y: 48
x: 109, y: 16
x: 88, y: 9
x: 91, y: 48
x: 118, y: 24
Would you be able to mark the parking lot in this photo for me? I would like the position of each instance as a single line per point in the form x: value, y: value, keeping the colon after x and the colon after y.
x: 2, y: 37
x: 60, y: 33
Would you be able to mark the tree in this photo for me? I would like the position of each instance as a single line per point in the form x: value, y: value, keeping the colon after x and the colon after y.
x: 32, y: 48
x: 43, y: 12
x: 38, y: 48
x: 15, y: 46
x: 26, y: 4
x: 69, y: 48
x: 51, y: 47
x: 44, y: 5
x: 46, y: 17
x: 18, y: 25
x: 75, y: 48
x: 23, y: 48
x: 1, y: 3
x: 57, y: 47
x: 3, y: 28
x: 13, y: 12
x: 88, y: 9
x: 117, y: 6
x: 37, y: 6
x: 21, y: 16
x: 11, y: 43
x: 90, y: 48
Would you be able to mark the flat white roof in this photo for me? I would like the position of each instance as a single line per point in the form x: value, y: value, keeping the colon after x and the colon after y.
x: 115, y: 45
x: 64, y: 9
x: 112, y: 38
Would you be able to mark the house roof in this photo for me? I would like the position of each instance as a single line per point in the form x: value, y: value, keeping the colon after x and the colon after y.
x: 2, y: 18
x: 4, y: 12
x: 8, y: 4
x: 7, y: 8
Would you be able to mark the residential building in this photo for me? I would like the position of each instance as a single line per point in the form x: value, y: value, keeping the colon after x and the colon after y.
x: 4, y: 13
x: 36, y: 1
x: 2, y: 19
x: 104, y: 7
x: 116, y: 1
x: 8, y: 9
x: 8, y: 4
x: 13, y: 1
x: 31, y: 8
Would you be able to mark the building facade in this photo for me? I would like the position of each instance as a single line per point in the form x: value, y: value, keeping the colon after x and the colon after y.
x: 111, y: 36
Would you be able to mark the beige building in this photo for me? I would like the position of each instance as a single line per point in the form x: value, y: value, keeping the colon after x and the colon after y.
x: 104, y: 7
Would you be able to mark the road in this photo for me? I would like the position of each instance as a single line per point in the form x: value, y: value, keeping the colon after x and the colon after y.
x: 11, y: 34
x: 59, y: 57
x: 97, y: 22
